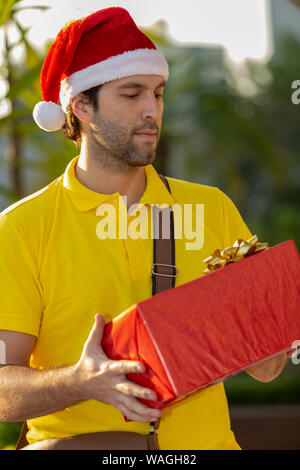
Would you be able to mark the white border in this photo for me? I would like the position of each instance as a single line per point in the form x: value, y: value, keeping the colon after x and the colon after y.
x: 138, y: 62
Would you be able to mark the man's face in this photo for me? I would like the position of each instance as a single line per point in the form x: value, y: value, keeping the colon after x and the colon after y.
x: 129, y: 117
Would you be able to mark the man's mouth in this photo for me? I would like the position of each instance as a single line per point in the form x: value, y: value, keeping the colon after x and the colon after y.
x: 147, y: 135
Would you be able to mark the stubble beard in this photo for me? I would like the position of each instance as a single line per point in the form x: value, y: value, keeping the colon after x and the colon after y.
x: 116, y: 150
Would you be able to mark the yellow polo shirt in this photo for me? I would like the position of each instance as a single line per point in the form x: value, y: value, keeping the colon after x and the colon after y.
x: 56, y: 272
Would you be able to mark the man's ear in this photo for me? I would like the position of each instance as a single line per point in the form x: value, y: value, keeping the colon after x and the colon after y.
x: 82, y: 108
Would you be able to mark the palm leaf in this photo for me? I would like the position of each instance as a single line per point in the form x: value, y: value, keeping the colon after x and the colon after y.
x: 34, y: 7
x: 6, y: 7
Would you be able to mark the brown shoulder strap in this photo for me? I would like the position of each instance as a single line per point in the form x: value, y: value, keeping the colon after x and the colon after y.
x: 22, y: 441
x: 164, y: 270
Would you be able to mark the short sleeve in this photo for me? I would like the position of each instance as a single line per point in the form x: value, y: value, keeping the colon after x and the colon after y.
x: 234, y: 226
x: 20, y: 291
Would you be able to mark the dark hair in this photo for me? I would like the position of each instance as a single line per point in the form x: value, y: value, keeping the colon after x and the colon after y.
x: 71, y: 128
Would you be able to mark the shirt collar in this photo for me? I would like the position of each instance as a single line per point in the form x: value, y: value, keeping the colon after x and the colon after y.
x: 85, y: 199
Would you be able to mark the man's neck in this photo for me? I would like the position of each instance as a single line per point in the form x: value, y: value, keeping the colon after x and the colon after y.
x: 130, y: 181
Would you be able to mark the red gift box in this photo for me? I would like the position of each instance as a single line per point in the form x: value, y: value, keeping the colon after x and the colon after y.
x: 209, y: 329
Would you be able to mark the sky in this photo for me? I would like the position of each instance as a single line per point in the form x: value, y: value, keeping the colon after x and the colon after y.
x: 241, y: 26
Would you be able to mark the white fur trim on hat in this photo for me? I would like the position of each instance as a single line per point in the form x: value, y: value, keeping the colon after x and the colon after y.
x: 49, y: 116
x: 138, y: 62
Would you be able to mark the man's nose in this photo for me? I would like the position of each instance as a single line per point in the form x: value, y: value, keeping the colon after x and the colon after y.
x: 151, y: 109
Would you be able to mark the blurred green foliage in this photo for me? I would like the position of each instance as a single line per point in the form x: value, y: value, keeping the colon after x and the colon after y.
x: 9, y: 434
x: 244, y: 390
x: 29, y: 157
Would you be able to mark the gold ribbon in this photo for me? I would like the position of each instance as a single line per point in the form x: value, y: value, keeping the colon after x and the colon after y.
x: 239, y: 250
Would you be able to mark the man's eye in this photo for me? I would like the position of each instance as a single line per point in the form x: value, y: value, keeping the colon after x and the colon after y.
x: 131, y: 96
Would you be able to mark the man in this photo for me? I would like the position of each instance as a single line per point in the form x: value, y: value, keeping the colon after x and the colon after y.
x: 58, y: 270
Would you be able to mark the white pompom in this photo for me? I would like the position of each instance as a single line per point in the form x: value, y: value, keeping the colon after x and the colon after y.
x: 49, y: 116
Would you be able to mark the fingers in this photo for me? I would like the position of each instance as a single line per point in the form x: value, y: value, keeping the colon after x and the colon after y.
x: 136, y: 411
x: 133, y: 408
x: 126, y: 367
x: 134, y: 390
x: 96, y: 333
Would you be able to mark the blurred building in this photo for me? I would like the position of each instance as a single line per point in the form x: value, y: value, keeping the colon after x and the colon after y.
x: 284, y: 19
x: 201, y: 67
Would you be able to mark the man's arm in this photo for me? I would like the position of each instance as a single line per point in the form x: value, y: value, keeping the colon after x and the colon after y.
x: 27, y: 393
x: 268, y: 370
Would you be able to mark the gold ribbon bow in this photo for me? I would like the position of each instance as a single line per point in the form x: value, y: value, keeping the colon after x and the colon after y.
x: 239, y: 250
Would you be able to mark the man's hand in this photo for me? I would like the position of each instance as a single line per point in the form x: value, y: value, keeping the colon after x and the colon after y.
x: 105, y: 380
x: 269, y: 369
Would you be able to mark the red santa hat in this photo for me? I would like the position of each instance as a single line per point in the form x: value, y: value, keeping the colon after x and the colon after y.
x: 104, y: 46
